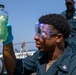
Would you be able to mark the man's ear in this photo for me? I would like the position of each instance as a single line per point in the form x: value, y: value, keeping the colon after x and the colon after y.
x: 59, y: 37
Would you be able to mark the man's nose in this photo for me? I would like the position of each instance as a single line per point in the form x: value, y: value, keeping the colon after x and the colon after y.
x: 36, y: 37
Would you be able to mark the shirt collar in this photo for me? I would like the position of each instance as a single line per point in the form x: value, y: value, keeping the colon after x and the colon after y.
x: 63, y: 62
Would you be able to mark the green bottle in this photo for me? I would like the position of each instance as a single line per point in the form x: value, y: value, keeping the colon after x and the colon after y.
x: 3, y: 23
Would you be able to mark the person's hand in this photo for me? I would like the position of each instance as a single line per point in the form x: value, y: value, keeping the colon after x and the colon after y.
x: 10, y: 36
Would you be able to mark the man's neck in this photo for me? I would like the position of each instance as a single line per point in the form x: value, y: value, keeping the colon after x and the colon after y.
x: 56, y: 54
x: 70, y: 11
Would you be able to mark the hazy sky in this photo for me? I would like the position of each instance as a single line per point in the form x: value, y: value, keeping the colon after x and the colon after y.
x: 23, y: 14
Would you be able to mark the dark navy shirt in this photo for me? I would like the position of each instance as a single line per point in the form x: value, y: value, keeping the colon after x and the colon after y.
x: 72, y: 21
x: 65, y: 65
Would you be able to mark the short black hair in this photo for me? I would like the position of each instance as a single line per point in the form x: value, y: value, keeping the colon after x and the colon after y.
x: 57, y: 21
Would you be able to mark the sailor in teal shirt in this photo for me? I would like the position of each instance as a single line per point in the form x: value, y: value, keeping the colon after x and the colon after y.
x: 65, y: 65
x: 54, y: 55
x: 70, y: 14
x: 45, y: 61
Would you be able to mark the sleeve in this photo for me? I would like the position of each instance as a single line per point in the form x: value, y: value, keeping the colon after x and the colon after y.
x: 25, y: 66
x: 18, y: 69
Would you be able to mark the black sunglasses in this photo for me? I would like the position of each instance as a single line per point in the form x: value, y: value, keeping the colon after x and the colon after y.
x: 69, y: 3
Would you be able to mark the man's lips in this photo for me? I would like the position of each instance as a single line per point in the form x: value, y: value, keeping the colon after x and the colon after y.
x: 38, y: 45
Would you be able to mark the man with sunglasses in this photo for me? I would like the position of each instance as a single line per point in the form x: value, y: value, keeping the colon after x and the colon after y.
x: 70, y: 14
x: 54, y: 55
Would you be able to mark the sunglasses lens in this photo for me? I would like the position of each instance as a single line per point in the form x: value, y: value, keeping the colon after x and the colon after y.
x: 68, y: 3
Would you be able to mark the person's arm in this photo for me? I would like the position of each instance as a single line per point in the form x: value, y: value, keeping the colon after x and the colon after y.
x: 8, y: 53
x: 9, y: 58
